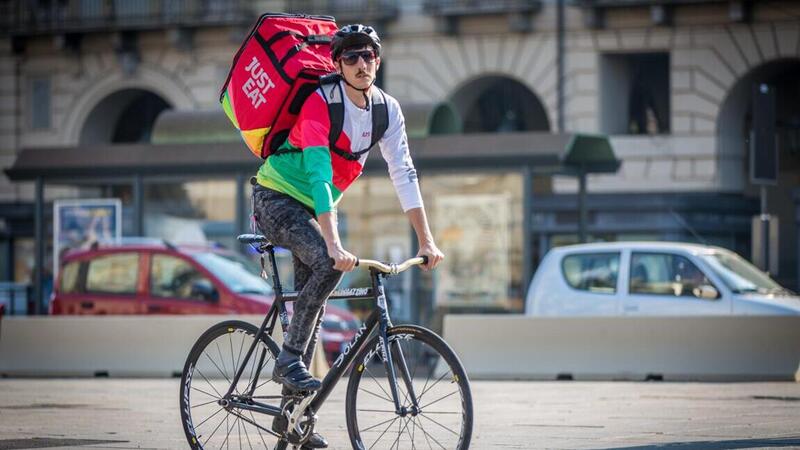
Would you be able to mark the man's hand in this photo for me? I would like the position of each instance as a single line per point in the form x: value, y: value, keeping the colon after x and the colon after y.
x: 342, y: 259
x: 435, y: 256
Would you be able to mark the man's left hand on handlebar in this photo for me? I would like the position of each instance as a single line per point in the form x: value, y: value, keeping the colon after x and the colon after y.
x: 435, y: 256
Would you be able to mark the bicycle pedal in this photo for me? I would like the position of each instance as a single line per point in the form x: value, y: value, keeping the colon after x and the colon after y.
x: 300, y: 395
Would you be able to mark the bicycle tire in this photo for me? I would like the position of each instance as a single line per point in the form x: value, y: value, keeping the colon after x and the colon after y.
x: 202, y: 386
x: 369, y: 408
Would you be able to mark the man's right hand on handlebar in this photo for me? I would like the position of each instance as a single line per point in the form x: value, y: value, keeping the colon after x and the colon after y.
x: 342, y: 259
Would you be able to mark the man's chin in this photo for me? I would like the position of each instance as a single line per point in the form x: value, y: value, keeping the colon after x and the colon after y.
x: 363, y: 83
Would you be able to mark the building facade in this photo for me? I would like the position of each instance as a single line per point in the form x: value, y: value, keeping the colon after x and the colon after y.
x: 671, y: 83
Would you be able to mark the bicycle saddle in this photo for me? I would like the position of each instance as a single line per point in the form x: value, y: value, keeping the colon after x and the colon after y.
x: 252, y: 239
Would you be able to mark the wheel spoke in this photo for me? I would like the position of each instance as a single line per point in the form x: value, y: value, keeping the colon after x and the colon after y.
x: 413, y: 431
x: 233, y: 363
x: 215, y: 429
x: 427, y: 435
x: 252, y: 417
x: 221, y: 361
x: 239, y: 357
x: 431, y: 386
x: 250, y: 444
x: 203, y: 404
x: 437, y: 423
x: 261, y: 366
x: 239, y: 428
x: 209, y: 417
x: 218, y: 369
x: 209, y: 383
x: 399, y: 433
x: 226, y: 442
x: 204, y: 392
x: 376, y: 395
x: 384, y: 432
x: 379, y: 424
x: 366, y: 369
x: 250, y: 378
x: 435, y: 401
x: 410, y: 434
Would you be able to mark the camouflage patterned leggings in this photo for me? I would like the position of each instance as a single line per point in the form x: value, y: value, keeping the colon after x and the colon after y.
x: 289, y: 224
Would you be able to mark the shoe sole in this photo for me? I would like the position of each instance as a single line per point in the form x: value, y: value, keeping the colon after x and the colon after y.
x: 283, y: 381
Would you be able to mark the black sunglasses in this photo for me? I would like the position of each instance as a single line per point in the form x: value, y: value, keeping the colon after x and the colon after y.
x: 351, y: 58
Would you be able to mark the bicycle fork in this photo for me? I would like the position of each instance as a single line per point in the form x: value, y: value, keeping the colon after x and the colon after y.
x: 391, y: 352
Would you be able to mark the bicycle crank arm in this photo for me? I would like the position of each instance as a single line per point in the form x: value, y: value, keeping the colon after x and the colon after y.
x: 298, y: 412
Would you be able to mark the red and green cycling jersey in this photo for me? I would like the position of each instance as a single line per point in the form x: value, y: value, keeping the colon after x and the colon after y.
x: 317, y: 177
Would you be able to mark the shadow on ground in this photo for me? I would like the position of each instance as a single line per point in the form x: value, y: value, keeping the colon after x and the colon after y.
x: 732, y: 444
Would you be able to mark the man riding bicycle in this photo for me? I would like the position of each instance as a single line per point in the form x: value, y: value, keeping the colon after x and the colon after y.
x: 299, y: 186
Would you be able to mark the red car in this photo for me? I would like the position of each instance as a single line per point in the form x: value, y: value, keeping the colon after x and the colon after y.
x: 160, y: 278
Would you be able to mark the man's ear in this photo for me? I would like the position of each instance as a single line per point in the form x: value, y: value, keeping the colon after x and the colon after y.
x: 377, y: 63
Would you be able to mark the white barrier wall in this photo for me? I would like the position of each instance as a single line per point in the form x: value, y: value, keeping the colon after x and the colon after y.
x: 501, y: 347
x: 113, y: 345
x: 674, y: 348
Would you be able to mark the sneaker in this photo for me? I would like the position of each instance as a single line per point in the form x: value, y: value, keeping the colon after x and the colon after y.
x: 315, y: 441
x: 294, y: 375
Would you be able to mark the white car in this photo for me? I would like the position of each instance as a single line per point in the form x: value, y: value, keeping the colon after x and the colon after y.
x: 653, y: 278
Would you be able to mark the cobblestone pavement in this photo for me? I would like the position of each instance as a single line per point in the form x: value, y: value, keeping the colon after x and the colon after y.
x: 143, y: 414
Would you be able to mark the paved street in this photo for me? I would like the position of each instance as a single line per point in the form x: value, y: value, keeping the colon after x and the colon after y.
x: 143, y: 414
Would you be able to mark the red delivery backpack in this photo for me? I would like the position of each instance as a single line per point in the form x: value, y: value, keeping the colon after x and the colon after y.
x: 277, y: 67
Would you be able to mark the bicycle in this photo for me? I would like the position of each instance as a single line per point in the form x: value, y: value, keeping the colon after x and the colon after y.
x: 219, y: 375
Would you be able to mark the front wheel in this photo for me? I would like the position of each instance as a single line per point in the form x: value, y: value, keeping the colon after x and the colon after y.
x: 427, y: 369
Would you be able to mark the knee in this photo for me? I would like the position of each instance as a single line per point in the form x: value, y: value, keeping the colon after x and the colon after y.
x: 331, y: 277
x: 327, y: 275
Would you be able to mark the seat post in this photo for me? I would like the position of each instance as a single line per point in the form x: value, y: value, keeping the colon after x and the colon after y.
x: 270, y: 249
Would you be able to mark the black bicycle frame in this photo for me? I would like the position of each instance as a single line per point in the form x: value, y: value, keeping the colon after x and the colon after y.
x: 379, y: 319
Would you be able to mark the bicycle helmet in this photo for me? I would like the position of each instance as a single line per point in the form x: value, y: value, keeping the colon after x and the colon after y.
x: 352, y: 36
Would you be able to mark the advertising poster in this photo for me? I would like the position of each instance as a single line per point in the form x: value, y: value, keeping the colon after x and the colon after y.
x: 79, y: 223
x: 474, y: 236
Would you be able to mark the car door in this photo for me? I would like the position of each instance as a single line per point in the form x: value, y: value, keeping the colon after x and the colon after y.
x: 667, y: 284
x: 112, y: 280
x: 178, y: 286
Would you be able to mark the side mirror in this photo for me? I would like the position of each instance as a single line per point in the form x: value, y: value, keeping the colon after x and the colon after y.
x: 203, y: 289
x: 706, y: 292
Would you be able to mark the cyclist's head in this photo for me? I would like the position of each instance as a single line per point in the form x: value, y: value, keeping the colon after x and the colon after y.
x: 356, y: 35
x: 356, y: 52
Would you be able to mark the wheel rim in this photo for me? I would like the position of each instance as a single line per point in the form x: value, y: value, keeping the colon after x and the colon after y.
x: 442, y: 416
x: 211, y: 425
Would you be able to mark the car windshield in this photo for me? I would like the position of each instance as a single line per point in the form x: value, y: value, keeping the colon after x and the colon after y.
x: 234, y: 272
x: 741, y: 276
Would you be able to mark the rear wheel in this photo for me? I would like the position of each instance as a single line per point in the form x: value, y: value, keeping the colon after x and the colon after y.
x: 443, y: 417
x: 207, y: 376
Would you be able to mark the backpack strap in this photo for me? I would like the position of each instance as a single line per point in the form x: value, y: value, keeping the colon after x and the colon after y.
x: 332, y: 92
x: 380, y: 116
x: 334, y: 96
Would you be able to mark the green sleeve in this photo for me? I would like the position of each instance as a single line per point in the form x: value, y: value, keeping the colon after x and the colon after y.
x: 317, y: 164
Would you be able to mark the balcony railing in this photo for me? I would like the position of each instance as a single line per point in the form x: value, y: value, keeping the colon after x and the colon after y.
x: 475, y: 7
x: 625, y: 3
x: 77, y: 16
x: 348, y: 11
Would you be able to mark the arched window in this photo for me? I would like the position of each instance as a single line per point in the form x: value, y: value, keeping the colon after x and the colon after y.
x: 497, y: 104
x: 125, y: 116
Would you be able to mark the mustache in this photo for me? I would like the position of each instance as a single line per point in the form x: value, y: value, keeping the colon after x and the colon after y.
x: 361, y: 72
